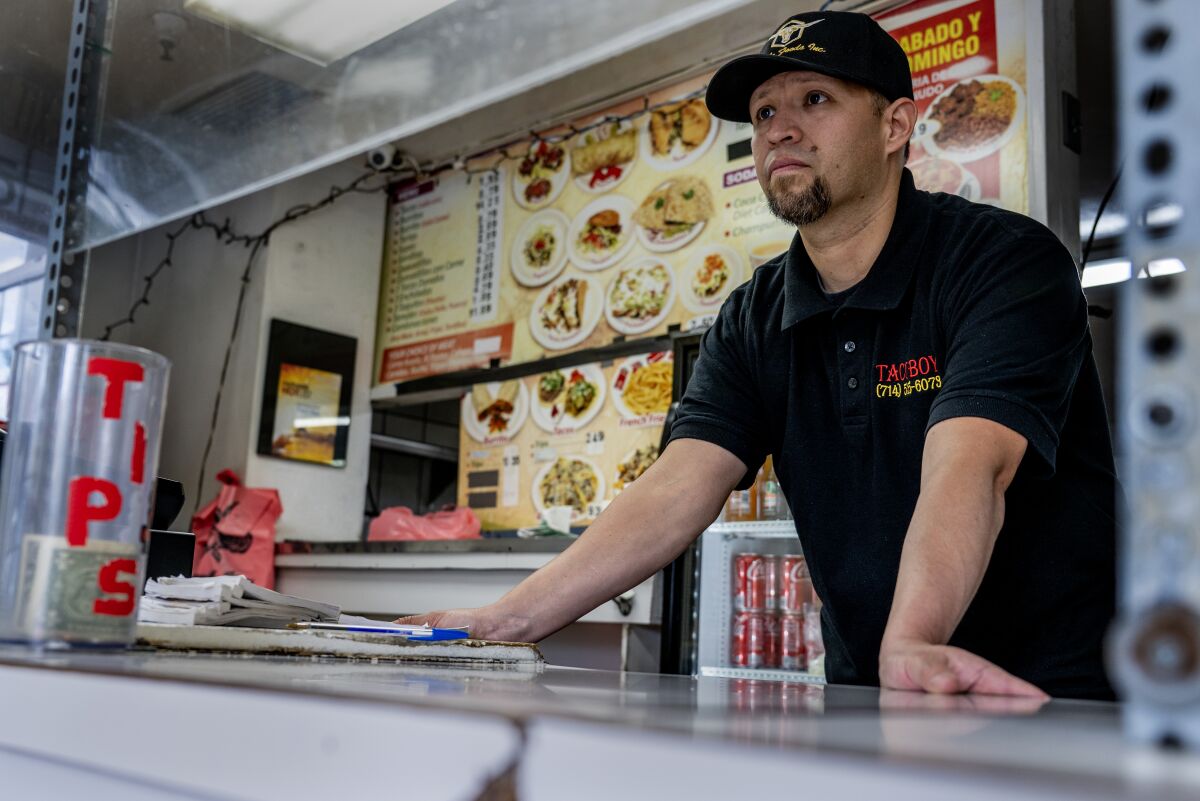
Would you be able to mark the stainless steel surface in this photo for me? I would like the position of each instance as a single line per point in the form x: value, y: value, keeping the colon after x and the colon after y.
x: 1156, y: 653
x: 1064, y: 745
x: 414, y: 447
x: 198, y: 113
x: 483, y: 545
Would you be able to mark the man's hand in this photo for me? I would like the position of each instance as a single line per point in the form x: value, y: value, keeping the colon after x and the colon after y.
x: 913, y: 665
x: 644, y: 528
x: 484, y: 623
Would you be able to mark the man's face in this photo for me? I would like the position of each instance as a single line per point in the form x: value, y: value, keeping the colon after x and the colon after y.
x: 818, y: 141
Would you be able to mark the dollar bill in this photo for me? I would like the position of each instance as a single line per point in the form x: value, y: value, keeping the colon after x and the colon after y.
x: 58, y: 588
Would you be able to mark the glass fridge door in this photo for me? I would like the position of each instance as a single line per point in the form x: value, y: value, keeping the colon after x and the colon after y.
x: 751, y: 617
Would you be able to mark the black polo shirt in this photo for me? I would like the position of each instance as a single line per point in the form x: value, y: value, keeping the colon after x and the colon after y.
x: 969, y: 311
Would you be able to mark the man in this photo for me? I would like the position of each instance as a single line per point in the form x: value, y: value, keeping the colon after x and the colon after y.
x: 920, y: 368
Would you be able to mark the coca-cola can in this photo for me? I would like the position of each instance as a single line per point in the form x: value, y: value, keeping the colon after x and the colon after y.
x: 749, y: 583
x: 771, y: 583
x: 792, y: 655
x: 796, y: 586
x: 749, y: 640
x: 771, y: 652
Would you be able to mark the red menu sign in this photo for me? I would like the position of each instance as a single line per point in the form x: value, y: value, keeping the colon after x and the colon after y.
x: 969, y: 90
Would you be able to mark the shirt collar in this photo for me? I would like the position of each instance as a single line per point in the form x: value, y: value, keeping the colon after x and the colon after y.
x: 884, y: 286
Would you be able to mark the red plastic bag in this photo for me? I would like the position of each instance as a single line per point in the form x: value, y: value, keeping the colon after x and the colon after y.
x: 235, y: 534
x: 399, y: 523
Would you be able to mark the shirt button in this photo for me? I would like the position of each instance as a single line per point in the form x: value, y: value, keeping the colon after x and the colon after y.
x: 852, y: 383
x: 849, y: 347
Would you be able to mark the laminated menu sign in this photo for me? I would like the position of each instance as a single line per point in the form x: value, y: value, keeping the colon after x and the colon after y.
x: 967, y: 59
x: 438, y: 309
x: 571, y: 437
x: 626, y: 223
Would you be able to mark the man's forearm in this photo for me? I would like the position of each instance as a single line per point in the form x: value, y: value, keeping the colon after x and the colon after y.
x: 946, y: 552
x: 966, y: 468
x: 644, y: 528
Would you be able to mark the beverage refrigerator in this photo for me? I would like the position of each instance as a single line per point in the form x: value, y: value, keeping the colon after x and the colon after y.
x: 738, y: 603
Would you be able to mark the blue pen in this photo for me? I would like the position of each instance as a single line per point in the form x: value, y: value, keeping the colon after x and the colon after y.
x: 414, y: 633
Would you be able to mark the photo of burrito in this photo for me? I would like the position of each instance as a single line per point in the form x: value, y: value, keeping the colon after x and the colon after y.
x: 674, y: 213
x: 495, y: 412
x: 601, y: 157
x: 679, y: 128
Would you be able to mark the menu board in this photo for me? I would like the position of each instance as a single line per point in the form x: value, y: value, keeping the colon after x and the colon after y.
x: 967, y: 59
x: 626, y: 224
x: 643, y: 217
x: 573, y: 437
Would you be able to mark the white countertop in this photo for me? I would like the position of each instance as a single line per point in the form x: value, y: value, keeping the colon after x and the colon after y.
x: 549, y: 727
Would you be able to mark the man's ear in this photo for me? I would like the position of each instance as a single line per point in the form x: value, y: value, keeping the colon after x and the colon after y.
x: 901, y: 119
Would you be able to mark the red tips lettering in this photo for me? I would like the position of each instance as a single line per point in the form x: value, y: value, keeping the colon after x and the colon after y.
x: 81, y: 512
x: 116, y: 372
x: 137, y: 471
x: 109, y: 579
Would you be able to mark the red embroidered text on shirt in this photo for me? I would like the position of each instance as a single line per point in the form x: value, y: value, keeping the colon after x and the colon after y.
x: 903, y: 371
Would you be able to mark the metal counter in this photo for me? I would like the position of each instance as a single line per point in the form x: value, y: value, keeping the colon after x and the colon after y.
x: 192, y: 725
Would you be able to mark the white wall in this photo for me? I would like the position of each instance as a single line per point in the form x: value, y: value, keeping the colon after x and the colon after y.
x: 321, y: 271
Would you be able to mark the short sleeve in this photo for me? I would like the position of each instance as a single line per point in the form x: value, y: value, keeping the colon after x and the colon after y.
x: 1017, y: 335
x: 723, y: 403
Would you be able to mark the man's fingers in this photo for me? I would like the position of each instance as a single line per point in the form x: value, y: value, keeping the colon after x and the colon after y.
x: 993, y: 680
x: 411, y: 620
x: 933, y: 673
x: 944, y: 682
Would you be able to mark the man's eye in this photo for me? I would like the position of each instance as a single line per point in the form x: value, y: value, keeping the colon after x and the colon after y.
x: 816, y: 97
x: 764, y: 112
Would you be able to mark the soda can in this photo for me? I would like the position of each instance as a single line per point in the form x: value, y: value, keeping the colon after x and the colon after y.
x: 796, y: 586
x: 771, y: 650
x: 749, y: 640
x: 749, y: 583
x: 792, y: 654
x: 771, y: 583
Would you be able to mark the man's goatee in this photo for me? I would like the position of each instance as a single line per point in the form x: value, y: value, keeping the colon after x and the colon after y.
x: 801, y: 208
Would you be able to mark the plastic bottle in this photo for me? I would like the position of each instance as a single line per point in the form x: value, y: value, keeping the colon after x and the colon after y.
x: 771, y: 505
x: 742, y: 505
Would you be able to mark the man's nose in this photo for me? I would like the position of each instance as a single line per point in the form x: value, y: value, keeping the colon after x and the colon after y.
x: 782, y: 130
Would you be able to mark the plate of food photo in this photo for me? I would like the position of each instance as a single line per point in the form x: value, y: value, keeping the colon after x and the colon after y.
x: 566, y: 400
x: 573, y: 481
x: 601, y: 233
x: 711, y: 274
x: 641, y: 386
x: 603, y: 155
x: 640, y: 296
x: 540, y: 177
x: 566, y: 312
x: 677, y: 134
x: 943, y: 175
x: 673, y: 214
x: 539, y: 251
x: 633, y: 464
x: 495, y: 412
x: 973, y: 118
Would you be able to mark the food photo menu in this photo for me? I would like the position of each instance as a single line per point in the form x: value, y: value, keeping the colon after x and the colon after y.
x: 574, y: 437
x: 643, y: 220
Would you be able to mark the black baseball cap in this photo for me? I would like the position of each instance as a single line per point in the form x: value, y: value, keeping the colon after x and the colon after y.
x: 841, y: 44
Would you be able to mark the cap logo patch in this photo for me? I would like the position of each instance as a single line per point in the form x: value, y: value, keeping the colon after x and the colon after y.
x: 787, y: 38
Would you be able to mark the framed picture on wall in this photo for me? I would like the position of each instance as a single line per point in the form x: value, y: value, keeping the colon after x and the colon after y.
x: 306, y: 395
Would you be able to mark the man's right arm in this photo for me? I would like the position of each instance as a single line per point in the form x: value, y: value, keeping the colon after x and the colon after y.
x: 645, y: 527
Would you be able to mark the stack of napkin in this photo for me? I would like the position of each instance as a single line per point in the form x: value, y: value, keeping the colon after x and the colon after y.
x: 226, y: 600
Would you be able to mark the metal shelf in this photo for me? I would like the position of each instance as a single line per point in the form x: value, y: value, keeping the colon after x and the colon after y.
x: 763, y: 674
x: 413, y: 447
x: 765, y: 529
